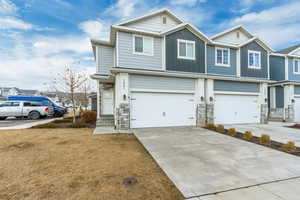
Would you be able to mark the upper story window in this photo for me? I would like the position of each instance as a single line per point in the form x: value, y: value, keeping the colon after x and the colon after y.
x: 297, y: 66
x: 186, y: 49
x: 142, y: 45
x: 254, y: 61
x: 222, y: 57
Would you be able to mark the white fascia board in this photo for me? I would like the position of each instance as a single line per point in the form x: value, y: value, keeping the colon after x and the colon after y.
x: 278, y: 54
x: 230, y: 30
x: 134, y: 30
x: 259, y: 42
x: 191, y: 28
x: 151, y: 14
x: 291, y: 53
x: 222, y: 44
x: 189, y: 75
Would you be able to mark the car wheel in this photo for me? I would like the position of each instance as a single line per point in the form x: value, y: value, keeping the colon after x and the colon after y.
x: 3, y: 118
x: 34, y: 115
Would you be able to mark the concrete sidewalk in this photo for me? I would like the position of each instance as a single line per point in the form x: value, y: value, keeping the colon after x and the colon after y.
x: 27, y: 124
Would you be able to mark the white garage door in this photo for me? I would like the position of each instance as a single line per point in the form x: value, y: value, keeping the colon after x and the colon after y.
x: 297, y: 109
x: 236, y: 109
x: 162, y: 110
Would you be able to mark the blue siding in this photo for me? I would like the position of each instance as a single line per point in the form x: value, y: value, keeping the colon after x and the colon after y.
x: 175, y: 64
x: 277, y: 68
x: 257, y: 73
x: 297, y: 90
x: 279, y: 97
x: 292, y: 76
x: 213, y: 69
x: 234, y: 86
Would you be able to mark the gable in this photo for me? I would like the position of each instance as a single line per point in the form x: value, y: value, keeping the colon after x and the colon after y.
x: 235, y: 37
x: 154, y: 23
x: 297, y: 52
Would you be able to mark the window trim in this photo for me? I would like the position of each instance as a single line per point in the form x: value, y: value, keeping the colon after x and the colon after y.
x: 296, y: 59
x: 259, y: 55
x: 186, y: 57
x: 142, y: 53
x: 216, y: 57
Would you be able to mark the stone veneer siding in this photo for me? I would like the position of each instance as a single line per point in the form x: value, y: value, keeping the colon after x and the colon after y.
x: 290, y: 113
x: 210, y: 113
x: 264, y: 114
x: 201, y: 114
x: 123, y: 116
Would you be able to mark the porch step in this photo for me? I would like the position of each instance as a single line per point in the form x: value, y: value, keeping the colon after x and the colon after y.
x: 106, y: 120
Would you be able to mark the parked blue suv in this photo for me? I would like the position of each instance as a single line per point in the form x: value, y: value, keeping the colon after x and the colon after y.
x: 58, y: 111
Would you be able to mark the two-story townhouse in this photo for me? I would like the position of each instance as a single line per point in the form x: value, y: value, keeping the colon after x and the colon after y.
x: 157, y: 70
x: 284, y: 95
x: 242, y: 61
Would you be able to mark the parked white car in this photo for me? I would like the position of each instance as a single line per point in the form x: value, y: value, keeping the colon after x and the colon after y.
x: 19, y: 109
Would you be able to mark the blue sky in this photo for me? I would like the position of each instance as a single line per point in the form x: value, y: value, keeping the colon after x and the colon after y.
x: 38, y: 38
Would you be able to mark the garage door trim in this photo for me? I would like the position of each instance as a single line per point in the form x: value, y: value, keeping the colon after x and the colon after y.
x: 237, y: 93
x: 163, y: 91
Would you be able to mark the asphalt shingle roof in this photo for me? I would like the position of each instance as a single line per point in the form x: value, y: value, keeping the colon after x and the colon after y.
x: 289, y: 49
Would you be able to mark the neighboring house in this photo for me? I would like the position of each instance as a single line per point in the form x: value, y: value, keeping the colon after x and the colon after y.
x: 13, y: 91
x: 157, y: 71
x: 285, y: 93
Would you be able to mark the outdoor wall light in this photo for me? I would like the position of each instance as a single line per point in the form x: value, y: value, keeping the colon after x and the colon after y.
x: 202, y: 98
x: 211, y: 99
x: 293, y: 100
x: 266, y: 100
x: 124, y: 97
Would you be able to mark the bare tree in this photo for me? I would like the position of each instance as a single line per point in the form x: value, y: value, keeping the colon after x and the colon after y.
x: 69, y: 82
x: 83, y: 95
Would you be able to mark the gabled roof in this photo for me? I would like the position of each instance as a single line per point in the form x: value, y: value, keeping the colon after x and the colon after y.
x: 190, y: 27
x: 260, y: 42
x: 163, y: 10
x: 239, y: 27
x: 289, y: 49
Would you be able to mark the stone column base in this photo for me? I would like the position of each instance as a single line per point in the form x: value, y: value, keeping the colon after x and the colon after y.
x: 123, y: 117
x: 201, y: 114
x: 290, y: 113
x: 264, y: 114
x: 210, y: 118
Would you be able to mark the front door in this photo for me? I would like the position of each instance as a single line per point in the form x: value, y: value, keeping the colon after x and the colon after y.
x: 107, y: 102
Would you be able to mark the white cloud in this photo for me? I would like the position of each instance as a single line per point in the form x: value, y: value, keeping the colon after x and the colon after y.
x: 13, y: 23
x: 277, y: 26
x: 51, y: 45
x: 186, y: 2
x: 97, y: 29
x: 7, y: 7
x: 123, y: 8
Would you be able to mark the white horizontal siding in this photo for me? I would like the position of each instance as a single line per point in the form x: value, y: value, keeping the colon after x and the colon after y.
x: 105, y: 59
x: 154, y: 23
x: 161, y: 83
x: 129, y: 60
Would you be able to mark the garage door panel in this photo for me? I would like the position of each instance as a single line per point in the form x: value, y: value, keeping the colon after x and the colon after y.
x: 236, y: 109
x: 162, y: 109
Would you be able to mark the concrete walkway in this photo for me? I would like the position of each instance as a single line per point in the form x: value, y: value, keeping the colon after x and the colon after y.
x: 27, y: 124
x: 277, y: 130
x: 201, y: 163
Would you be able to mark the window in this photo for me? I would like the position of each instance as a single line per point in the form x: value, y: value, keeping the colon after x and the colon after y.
x: 254, y: 60
x: 222, y: 57
x: 143, y: 45
x: 186, y: 49
x: 297, y: 66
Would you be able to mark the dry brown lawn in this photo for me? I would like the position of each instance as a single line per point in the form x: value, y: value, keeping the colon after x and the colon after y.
x: 74, y: 164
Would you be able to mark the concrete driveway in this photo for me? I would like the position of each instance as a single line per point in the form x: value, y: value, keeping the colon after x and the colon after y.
x: 277, y: 130
x: 201, y: 162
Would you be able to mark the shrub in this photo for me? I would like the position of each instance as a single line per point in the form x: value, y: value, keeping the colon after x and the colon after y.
x: 76, y: 126
x: 248, y: 135
x: 231, y: 131
x: 211, y: 126
x: 289, y: 146
x: 49, y: 125
x: 265, y: 139
x: 89, y: 117
x: 220, y: 128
